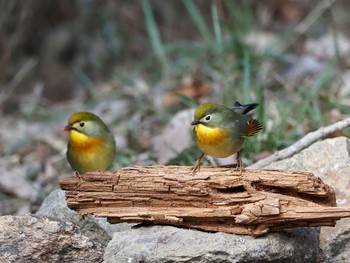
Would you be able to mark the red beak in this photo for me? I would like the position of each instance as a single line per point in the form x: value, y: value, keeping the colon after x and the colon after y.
x: 67, y: 128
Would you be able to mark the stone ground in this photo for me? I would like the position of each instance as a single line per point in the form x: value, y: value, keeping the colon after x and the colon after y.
x: 57, y: 233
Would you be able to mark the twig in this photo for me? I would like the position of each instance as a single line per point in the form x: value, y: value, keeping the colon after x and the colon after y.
x: 302, y: 143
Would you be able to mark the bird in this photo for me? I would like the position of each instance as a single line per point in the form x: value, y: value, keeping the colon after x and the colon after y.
x: 91, y: 146
x: 221, y: 131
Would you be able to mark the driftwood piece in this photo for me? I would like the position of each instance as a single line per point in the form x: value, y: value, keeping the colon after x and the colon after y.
x: 214, y: 199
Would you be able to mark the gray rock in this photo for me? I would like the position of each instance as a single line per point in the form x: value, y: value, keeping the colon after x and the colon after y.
x: 55, y: 207
x: 13, y: 179
x: 166, y: 244
x: 174, y: 138
x: 329, y: 160
x: 33, y: 239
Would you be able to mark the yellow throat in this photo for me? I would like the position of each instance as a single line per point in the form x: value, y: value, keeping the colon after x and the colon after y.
x: 210, y: 136
x: 216, y: 141
x: 82, y: 143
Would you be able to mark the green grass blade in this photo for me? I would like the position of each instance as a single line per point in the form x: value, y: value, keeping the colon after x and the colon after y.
x: 217, y: 29
x: 241, y: 15
x: 246, y: 74
x: 198, y: 20
x: 154, y: 33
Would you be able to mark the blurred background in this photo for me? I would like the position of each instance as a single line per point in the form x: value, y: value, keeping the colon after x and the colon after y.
x: 143, y: 66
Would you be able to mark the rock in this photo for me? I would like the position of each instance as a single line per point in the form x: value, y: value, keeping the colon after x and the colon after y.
x: 165, y: 244
x: 13, y: 179
x: 32, y: 239
x: 329, y: 160
x: 10, y: 205
x: 175, y: 137
x: 55, y: 207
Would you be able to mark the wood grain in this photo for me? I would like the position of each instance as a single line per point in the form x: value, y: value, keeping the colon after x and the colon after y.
x: 214, y: 199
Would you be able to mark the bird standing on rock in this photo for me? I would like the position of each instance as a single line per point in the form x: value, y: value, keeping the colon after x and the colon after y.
x: 91, y: 145
x: 220, y: 131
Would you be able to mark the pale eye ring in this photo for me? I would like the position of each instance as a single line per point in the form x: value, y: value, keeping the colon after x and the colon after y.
x: 208, y: 117
x: 82, y: 124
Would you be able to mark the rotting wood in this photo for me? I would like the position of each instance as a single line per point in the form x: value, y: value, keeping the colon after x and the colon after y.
x: 214, y: 199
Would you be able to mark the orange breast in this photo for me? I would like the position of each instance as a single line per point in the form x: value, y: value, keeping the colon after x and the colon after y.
x: 81, y: 143
x: 210, y: 136
x: 216, y: 142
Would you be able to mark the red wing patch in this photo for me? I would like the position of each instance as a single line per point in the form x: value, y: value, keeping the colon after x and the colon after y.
x: 254, y: 126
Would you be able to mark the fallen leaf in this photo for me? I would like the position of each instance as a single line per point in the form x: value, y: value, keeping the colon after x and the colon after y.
x: 192, y: 88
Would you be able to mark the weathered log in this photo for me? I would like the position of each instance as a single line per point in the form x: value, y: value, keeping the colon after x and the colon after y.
x: 214, y: 199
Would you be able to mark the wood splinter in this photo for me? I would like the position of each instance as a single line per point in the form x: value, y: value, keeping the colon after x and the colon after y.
x: 214, y: 199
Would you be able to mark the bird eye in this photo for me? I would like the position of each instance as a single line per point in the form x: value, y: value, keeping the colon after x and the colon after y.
x: 82, y: 124
x: 208, y: 117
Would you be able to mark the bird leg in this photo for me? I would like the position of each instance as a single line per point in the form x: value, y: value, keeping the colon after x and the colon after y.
x: 239, y: 163
x: 77, y: 174
x: 197, y: 165
x: 246, y: 183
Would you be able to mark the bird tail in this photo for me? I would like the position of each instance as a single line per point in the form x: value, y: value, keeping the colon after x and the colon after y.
x: 254, y: 126
x: 246, y: 108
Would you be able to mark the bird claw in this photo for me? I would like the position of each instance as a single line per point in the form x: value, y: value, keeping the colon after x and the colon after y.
x: 196, y: 167
x: 239, y: 166
x: 77, y: 174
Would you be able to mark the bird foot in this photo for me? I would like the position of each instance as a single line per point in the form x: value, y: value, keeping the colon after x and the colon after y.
x: 77, y: 174
x: 196, y: 167
x: 239, y: 166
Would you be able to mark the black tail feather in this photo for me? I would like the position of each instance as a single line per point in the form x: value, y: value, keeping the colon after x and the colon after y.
x: 245, y: 107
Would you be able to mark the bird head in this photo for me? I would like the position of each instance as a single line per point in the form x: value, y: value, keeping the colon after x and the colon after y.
x: 86, y: 123
x: 208, y: 114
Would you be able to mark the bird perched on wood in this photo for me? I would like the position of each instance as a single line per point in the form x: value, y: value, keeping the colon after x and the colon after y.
x: 91, y: 145
x: 220, y: 131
